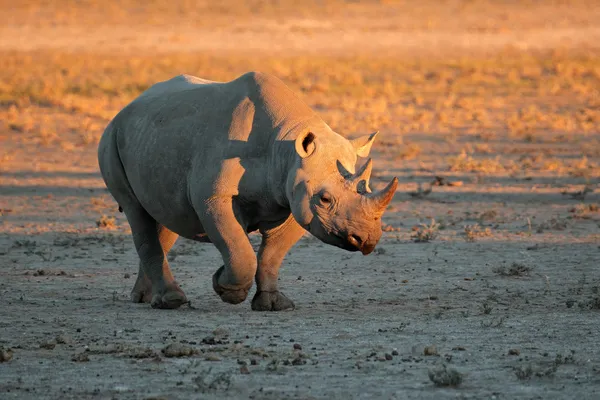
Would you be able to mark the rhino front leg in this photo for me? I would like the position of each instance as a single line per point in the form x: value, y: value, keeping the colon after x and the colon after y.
x: 152, y: 241
x: 234, y: 279
x: 276, y: 242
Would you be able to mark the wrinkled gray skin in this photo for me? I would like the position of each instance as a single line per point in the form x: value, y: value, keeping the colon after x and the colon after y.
x: 213, y: 161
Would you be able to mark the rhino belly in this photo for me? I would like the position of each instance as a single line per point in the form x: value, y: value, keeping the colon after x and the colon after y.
x: 170, y: 207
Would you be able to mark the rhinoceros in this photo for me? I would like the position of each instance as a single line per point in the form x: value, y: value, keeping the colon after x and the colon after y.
x: 214, y: 161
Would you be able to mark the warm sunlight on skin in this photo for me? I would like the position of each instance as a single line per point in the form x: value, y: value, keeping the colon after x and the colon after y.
x: 485, y: 271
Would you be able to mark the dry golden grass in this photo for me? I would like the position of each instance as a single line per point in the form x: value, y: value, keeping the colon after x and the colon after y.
x: 489, y: 109
x: 356, y: 93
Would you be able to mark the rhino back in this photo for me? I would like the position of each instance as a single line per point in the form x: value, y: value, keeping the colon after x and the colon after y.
x: 187, y: 139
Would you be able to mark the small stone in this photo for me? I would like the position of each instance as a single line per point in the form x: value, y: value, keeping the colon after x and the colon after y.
x: 178, y: 350
x: 62, y: 339
x: 388, y: 357
x: 459, y: 348
x: 212, y: 357
x: 430, y: 350
x: 253, y: 361
x: 395, y: 352
x: 514, y: 352
x: 244, y: 370
x: 221, y: 332
x: 48, y: 345
x: 5, y: 354
x: 297, y: 346
x: 80, y: 357
x: 127, y: 276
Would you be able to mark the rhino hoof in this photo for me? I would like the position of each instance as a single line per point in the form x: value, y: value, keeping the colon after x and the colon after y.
x: 172, y: 298
x: 229, y: 294
x: 141, y: 296
x: 271, y: 301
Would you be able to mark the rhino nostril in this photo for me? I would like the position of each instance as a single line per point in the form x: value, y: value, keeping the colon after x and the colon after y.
x: 355, y: 240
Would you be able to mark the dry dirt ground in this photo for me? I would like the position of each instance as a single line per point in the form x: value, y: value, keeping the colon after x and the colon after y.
x: 485, y: 285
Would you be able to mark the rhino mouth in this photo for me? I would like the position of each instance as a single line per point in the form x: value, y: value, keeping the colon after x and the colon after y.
x: 355, y: 243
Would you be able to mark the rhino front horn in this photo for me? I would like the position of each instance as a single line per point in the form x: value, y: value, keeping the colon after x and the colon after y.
x: 381, y: 199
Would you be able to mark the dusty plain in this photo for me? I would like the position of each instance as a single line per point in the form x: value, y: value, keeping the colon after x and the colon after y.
x: 486, y: 283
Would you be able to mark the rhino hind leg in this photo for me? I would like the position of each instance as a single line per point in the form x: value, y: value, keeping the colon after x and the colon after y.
x: 152, y: 242
x: 142, y: 289
x: 277, y: 240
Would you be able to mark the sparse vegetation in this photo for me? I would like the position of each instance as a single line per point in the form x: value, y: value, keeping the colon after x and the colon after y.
x: 544, y: 370
x: 515, y: 269
x: 486, y: 308
x: 445, y: 376
x: 493, y: 322
x: 106, y: 222
x: 206, y: 381
x: 524, y: 373
x: 475, y: 231
x: 426, y: 233
x: 410, y: 152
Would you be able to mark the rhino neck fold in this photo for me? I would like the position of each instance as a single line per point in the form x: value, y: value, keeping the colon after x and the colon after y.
x: 282, y: 162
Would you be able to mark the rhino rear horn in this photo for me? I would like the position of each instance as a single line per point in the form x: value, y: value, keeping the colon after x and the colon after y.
x: 381, y: 199
x: 362, y: 176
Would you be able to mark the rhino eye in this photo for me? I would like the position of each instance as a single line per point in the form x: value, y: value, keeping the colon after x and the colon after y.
x: 325, y: 198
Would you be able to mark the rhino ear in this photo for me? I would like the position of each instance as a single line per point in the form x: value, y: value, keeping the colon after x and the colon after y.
x: 305, y: 144
x: 363, y: 144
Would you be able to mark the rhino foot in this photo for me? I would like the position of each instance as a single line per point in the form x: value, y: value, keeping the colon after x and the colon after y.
x: 171, y: 298
x: 142, y: 290
x: 271, y: 301
x: 141, y: 296
x: 230, y: 294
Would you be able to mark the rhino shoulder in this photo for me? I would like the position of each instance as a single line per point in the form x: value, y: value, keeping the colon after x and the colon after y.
x: 272, y: 93
x: 177, y: 84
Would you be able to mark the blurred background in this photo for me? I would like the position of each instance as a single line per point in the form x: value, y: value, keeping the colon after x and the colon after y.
x: 507, y: 90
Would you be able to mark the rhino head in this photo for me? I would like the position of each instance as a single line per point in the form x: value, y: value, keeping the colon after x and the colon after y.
x: 329, y: 198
